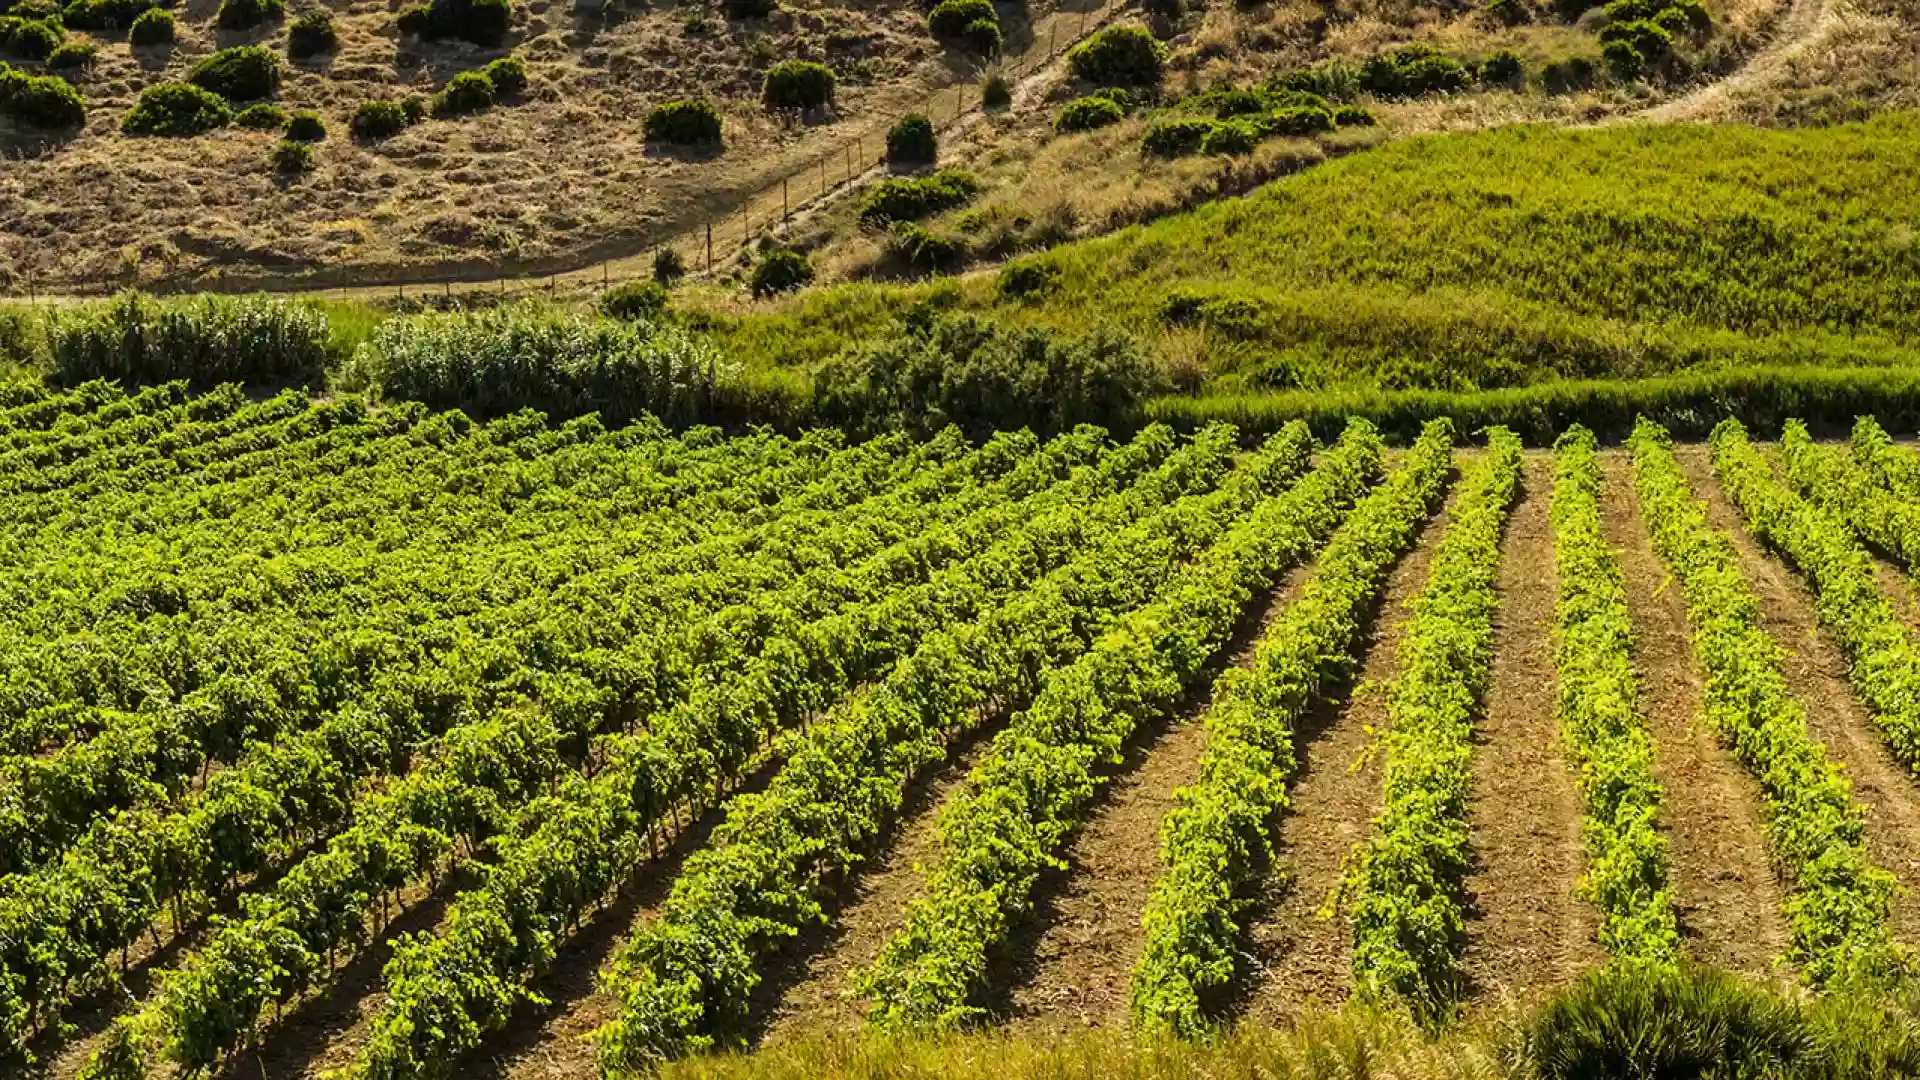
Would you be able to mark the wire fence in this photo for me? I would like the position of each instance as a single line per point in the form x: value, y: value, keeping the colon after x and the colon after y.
x: 725, y: 235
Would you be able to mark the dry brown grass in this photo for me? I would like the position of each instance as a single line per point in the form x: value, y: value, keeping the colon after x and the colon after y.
x: 564, y: 170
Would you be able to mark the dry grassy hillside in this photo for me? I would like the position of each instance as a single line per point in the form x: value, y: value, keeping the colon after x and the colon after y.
x: 561, y: 169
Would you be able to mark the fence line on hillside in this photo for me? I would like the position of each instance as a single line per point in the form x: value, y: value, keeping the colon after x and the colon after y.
x: 722, y: 237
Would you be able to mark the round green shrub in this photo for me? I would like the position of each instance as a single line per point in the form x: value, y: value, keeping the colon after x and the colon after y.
x: 1027, y: 280
x: 242, y: 73
x: 483, y: 22
x: 1352, y: 116
x: 996, y: 92
x: 153, y: 26
x: 508, y: 76
x: 1176, y: 138
x: 684, y: 123
x: 1413, y: 71
x: 48, y: 102
x: 668, y: 267
x: 72, y: 56
x: 414, y: 108
x: 102, y: 14
x: 982, y: 37
x: 1292, y: 120
x: 1087, y: 113
x: 634, y: 300
x: 312, y: 34
x: 1232, y: 137
x: 247, y: 14
x: 261, y: 117
x: 467, y: 92
x: 911, y: 142
x: 909, y: 198
x: 780, y: 270
x: 1124, y: 55
x: 950, y: 18
x: 924, y: 250
x: 292, y: 157
x: 37, y: 40
x: 1623, y: 60
x: 379, y: 120
x: 798, y: 85
x: 306, y: 127
x: 176, y: 109
x: 1502, y: 68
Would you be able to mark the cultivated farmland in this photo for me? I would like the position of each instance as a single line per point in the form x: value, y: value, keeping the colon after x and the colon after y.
x: 341, y: 737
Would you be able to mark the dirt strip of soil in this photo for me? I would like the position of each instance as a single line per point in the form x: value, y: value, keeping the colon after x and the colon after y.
x: 1816, y: 670
x: 1526, y: 928
x: 1086, y: 938
x: 1724, y: 889
x: 1298, y: 959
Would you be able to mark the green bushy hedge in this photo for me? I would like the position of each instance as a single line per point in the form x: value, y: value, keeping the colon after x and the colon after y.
x: 1088, y: 113
x: 907, y: 199
x: 247, y: 14
x: 263, y: 116
x: 693, y: 122
x: 47, y: 102
x: 1124, y: 55
x: 798, y: 85
x: 176, y: 109
x: 152, y: 27
x: 950, y: 18
x: 483, y: 22
x: 242, y: 73
x: 467, y: 92
x: 205, y: 340
x: 523, y: 356
x: 912, y: 141
x: 375, y: 120
x: 312, y: 34
x: 108, y: 14
x: 780, y: 270
x: 306, y: 127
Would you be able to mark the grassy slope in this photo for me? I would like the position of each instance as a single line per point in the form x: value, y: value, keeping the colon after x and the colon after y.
x: 1491, y: 259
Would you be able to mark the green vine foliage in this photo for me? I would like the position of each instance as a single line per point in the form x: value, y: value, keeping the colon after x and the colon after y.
x: 444, y: 993
x: 1216, y: 843
x: 1601, y: 722
x: 1837, y: 899
x: 1021, y: 804
x: 1408, y: 920
x: 1893, y: 467
x: 1883, y: 663
x: 1864, y: 490
x: 685, y: 980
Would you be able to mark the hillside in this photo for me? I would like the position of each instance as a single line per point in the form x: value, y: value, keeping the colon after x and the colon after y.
x: 1467, y: 261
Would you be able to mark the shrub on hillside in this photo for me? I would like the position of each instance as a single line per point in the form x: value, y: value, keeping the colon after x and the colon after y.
x: 1352, y: 116
x: 749, y: 9
x: 523, y: 356
x: 264, y: 116
x: 1414, y: 71
x: 1124, y: 55
x: 910, y: 198
x: 1502, y: 68
x: 152, y: 27
x: 923, y: 250
x: 483, y: 22
x: 292, y: 157
x: 48, y: 102
x: 1231, y: 137
x: 247, y: 14
x: 312, y: 34
x: 33, y: 39
x: 950, y: 17
x: 911, y: 142
x: 1087, y: 113
x: 780, y: 270
x: 105, y: 14
x: 684, y: 123
x: 981, y: 37
x: 176, y: 109
x: 966, y: 370
x: 634, y: 300
x: 1176, y: 137
x: 242, y: 73
x: 1292, y: 120
x: 1028, y: 280
x: 467, y: 92
x: 797, y: 85
x: 1647, y: 38
x: 668, y: 267
x: 508, y: 76
x: 306, y: 127
x: 380, y: 120
x: 1623, y: 60
x: 72, y: 56
x: 206, y: 340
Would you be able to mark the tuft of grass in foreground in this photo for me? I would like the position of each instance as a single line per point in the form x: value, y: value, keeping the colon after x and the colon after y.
x: 1630, y: 1022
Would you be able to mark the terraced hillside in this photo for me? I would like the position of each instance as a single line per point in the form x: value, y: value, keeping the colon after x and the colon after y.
x: 379, y: 740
